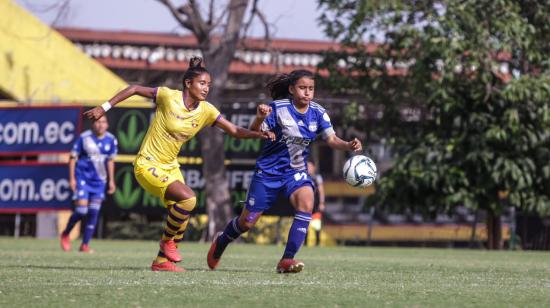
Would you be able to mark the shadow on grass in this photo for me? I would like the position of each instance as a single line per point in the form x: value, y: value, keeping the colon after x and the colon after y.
x: 239, y: 270
x: 130, y: 268
x: 83, y: 268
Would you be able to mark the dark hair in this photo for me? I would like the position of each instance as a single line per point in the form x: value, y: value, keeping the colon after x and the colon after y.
x: 195, y: 69
x: 278, y: 85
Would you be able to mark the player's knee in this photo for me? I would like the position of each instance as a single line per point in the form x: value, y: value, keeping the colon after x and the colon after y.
x: 305, y: 207
x: 81, y: 210
x: 247, y: 222
x: 246, y: 225
x: 187, y: 204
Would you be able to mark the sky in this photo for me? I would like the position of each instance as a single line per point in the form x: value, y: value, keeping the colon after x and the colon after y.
x: 294, y: 19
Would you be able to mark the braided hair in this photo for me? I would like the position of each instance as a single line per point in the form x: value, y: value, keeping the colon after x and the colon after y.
x: 195, y: 69
x: 278, y: 85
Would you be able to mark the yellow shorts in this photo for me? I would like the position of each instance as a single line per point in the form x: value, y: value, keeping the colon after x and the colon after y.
x: 156, y: 179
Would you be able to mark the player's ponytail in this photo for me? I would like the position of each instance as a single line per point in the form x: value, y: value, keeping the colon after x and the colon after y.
x: 195, y: 62
x: 195, y: 69
x: 278, y: 85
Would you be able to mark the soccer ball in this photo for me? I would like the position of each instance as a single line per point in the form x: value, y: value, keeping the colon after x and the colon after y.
x: 360, y: 171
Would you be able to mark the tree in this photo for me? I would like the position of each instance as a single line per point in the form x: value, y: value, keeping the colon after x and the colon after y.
x: 479, y: 73
x: 218, y: 36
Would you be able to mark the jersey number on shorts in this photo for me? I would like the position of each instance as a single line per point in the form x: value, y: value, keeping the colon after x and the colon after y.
x: 300, y: 176
x: 153, y: 171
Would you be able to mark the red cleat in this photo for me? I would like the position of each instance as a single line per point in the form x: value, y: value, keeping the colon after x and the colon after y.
x: 65, y: 242
x: 166, y: 267
x: 289, y: 266
x: 170, y: 250
x: 85, y: 248
x: 213, y: 262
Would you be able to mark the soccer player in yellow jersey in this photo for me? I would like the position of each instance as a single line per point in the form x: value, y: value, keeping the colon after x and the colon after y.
x: 179, y: 116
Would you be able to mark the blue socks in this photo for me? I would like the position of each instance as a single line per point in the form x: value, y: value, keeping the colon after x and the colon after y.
x: 297, y: 234
x: 230, y: 233
x: 79, y: 213
x: 91, y: 220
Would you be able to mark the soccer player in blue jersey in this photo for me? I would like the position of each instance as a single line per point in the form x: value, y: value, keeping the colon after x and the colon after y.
x: 282, y: 166
x: 90, y: 165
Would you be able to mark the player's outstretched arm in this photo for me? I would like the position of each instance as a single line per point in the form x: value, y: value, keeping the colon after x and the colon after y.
x: 239, y: 132
x: 99, y: 111
x: 336, y: 143
x: 261, y: 113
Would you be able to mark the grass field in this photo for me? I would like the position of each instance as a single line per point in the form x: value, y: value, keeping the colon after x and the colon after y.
x: 37, y: 273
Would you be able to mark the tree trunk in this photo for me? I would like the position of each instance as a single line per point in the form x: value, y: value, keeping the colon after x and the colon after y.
x: 494, y: 231
x: 218, y: 198
x: 218, y: 54
x: 217, y: 58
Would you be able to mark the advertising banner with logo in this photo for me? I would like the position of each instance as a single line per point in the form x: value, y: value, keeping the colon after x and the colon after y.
x: 34, y: 187
x: 130, y: 197
x: 38, y: 130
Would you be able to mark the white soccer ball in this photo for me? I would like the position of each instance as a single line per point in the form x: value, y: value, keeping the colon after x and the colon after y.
x: 360, y: 171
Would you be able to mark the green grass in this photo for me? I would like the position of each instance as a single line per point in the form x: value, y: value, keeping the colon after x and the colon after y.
x: 37, y: 273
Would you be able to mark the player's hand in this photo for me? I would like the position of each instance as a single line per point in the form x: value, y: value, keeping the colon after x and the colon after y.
x: 72, y: 184
x: 355, y: 145
x: 268, y: 135
x: 112, y: 188
x: 263, y: 111
x: 95, y: 114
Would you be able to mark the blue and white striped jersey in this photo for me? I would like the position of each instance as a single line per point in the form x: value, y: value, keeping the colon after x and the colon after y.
x: 92, y: 154
x: 294, y: 132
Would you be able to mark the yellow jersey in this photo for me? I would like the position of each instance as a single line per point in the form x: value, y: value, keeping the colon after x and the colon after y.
x: 172, y: 126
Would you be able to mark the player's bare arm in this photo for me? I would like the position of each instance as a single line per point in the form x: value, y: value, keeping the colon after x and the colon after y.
x: 262, y: 112
x: 239, y: 132
x: 111, y: 170
x: 99, y: 111
x: 336, y: 143
x: 72, y: 178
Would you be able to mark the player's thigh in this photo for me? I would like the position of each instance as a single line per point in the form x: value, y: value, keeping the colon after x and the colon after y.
x: 178, y: 191
x: 97, y: 193
x: 87, y: 192
x: 299, y: 190
x: 81, y: 196
x: 302, y: 199
x: 262, y: 193
x: 156, y: 180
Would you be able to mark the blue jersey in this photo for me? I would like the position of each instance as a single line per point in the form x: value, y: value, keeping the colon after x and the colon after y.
x: 92, y: 153
x: 294, y: 132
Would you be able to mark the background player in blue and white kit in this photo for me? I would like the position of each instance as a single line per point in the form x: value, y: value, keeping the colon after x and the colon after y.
x: 282, y: 166
x: 90, y: 166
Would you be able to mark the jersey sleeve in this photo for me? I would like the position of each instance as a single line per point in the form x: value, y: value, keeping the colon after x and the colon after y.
x: 325, y: 126
x: 114, y: 149
x: 161, y: 95
x: 212, y: 115
x: 77, y: 148
x: 270, y: 121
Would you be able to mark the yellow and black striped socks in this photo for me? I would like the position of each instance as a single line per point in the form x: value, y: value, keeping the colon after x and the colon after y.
x: 176, y: 223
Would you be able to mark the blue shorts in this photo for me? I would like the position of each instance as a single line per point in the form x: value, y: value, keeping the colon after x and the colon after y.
x: 86, y: 191
x: 264, y: 189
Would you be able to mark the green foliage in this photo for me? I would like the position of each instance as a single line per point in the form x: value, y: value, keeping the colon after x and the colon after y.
x: 126, y: 195
x: 482, y: 130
